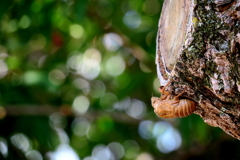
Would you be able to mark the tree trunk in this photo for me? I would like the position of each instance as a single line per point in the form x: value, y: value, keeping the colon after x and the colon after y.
x: 198, y: 49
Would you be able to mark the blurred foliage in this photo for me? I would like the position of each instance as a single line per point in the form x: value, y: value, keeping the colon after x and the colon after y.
x: 76, y: 79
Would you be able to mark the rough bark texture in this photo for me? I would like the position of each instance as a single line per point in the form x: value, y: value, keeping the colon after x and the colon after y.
x: 199, y: 51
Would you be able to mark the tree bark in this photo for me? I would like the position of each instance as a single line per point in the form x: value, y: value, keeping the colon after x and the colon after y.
x: 198, y: 49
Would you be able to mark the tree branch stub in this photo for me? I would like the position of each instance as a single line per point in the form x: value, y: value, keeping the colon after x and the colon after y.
x: 198, y: 49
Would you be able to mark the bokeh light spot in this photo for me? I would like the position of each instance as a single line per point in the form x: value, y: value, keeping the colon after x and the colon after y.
x: 123, y: 104
x: 98, y: 88
x: 117, y: 150
x: 13, y: 62
x: 112, y: 41
x: 81, y: 104
x: 76, y: 31
x: 20, y: 141
x: 169, y: 141
x: 131, y: 148
x: 41, y: 61
x: 160, y: 128
x: 89, y: 158
x: 32, y: 77
x: 101, y: 152
x: 56, y: 77
x: 144, y: 156
x: 64, y: 152
x: 57, y: 120
x: 74, y: 61
x: 82, y: 84
x: 145, y: 129
x: 34, y: 155
x: 12, y: 26
x: 90, y: 66
x: 24, y: 22
x: 87, y: 64
x: 80, y: 126
x: 115, y: 65
x: 89, y: 69
x: 62, y: 135
x: 92, y: 53
x: 94, y: 133
x: 136, y: 109
x: 3, y: 147
x: 3, y: 69
x: 132, y: 19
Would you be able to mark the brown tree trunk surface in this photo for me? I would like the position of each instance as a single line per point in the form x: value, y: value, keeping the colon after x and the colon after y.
x: 198, y: 49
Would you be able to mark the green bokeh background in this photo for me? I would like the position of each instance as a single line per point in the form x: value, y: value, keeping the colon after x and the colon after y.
x: 70, y: 62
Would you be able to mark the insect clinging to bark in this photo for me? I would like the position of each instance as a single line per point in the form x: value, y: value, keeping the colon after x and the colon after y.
x: 169, y: 106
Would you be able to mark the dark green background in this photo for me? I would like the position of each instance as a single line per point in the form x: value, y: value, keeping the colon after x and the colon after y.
x: 37, y: 44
